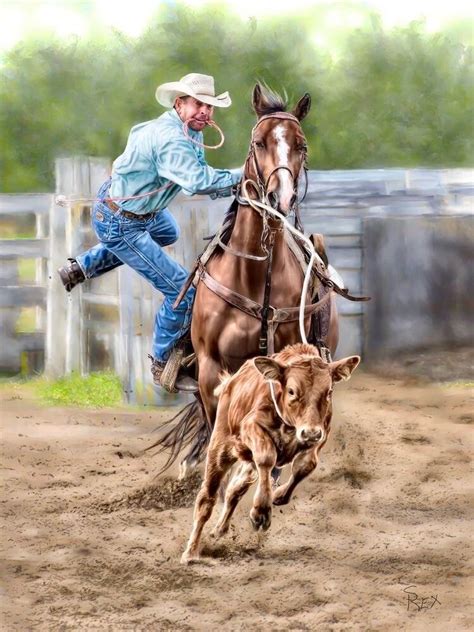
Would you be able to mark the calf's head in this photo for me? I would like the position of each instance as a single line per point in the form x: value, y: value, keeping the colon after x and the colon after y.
x: 304, y: 391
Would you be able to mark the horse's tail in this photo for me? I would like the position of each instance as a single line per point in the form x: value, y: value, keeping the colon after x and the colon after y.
x: 189, y: 427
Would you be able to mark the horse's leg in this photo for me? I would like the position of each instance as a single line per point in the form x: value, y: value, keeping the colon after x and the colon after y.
x: 217, y: 464
x: 303, y: 464
x: 209, y: 370
x: 332, y: 337
x: 199, y: 443
x: 208, y: 380
x: 239, y: 484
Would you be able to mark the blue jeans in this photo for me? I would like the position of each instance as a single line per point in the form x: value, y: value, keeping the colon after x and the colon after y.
x: 139, y: 244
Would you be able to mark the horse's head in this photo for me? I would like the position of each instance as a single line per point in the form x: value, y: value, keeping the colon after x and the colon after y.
x: 278, y: 146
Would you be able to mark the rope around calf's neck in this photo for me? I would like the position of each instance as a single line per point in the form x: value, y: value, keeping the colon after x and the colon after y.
x: 277, y: 408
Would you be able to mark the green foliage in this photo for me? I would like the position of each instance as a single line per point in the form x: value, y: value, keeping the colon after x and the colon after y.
x: 96, y: 389
x: 384, y: 98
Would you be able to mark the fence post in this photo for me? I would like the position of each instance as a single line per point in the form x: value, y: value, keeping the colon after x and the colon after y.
x: 55, y: 340
x: 42, y: 232
x: 127, y: 369
x: 76, y: 177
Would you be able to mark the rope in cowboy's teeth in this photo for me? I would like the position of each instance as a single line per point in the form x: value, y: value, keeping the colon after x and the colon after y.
x: 210, y: 123
x: 256, y: 204
x: 64, y: 200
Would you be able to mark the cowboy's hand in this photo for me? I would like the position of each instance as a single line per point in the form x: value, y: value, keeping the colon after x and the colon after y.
x: 214, y: 194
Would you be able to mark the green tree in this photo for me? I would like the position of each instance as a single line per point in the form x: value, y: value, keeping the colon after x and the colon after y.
x: 400, y: 97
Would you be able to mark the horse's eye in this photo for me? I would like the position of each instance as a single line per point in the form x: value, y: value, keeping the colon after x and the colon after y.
x: 259, y: 144
x: 291, y: 392
x: 303, y: 148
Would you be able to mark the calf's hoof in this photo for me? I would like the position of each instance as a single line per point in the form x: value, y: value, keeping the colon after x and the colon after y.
x: 280, y: 497
x: 218, y: 532
x: 261, y: 518
x: 188, y: 558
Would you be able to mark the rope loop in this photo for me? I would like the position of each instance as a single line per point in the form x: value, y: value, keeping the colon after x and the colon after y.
x: 196, y: 142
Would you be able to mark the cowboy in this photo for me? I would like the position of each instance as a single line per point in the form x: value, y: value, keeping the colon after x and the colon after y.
x: 131, y: 218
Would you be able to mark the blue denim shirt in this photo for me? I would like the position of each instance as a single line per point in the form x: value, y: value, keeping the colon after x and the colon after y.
x: 157, y: 153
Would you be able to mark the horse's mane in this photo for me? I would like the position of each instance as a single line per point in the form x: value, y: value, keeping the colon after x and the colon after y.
x: 270, y: 101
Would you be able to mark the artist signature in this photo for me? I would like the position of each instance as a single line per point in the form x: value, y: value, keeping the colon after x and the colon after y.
x: 416, y: 602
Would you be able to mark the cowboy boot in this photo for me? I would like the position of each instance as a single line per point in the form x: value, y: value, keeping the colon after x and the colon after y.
x: 71, y: 275
x: 184, y: 383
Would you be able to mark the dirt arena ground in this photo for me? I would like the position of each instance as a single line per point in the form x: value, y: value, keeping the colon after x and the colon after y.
x: 377, y: 539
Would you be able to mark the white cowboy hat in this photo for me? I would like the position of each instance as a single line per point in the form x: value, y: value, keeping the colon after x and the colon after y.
x: 201, y: 87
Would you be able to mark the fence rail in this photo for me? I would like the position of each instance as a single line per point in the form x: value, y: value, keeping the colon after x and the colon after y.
x: 108, y: 322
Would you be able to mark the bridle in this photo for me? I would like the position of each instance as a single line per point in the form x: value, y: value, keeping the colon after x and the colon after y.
x: 262, y: 184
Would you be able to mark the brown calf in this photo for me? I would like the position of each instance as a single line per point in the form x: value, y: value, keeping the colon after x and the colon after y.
x: 273, y: 411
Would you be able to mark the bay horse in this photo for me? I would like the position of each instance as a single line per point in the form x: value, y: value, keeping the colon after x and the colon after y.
x: 229, y: 319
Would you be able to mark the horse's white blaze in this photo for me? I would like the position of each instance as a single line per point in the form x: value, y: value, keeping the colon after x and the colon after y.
x: 285, y: 189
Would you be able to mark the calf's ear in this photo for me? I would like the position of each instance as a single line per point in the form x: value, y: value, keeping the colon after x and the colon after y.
x: 270, y: 369
x: 342, y: 369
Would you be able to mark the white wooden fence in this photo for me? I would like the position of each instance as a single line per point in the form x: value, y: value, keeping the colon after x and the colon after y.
x: 13, y: 296
x: 108, y: 322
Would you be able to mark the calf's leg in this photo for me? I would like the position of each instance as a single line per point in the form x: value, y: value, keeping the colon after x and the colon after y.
x: 264, y: 456
x: 239, y: 484
x: 217, y: 465
x: 303, y: 464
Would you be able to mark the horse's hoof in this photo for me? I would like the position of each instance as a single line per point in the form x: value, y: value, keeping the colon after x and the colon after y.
x: 185, y: 469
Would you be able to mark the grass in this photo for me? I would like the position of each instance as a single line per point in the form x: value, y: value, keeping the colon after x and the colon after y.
x: 95, y: 390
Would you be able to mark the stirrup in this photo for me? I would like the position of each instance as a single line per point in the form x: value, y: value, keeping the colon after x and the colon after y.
x: 170, y: 372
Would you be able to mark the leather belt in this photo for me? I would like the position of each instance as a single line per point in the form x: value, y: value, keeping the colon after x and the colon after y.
x: 116, y: 209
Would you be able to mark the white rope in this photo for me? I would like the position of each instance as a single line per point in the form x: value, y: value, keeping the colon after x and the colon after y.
x: 314, y: 255
x: 210, y: 123
x: 63, y: 200
x: 277, y: 408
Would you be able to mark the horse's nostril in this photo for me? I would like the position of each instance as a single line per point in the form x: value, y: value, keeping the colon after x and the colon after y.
x: 273, y: 198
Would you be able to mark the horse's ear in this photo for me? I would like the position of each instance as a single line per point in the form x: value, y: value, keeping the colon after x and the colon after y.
x: 257, y: 99
x: 303, y: 106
